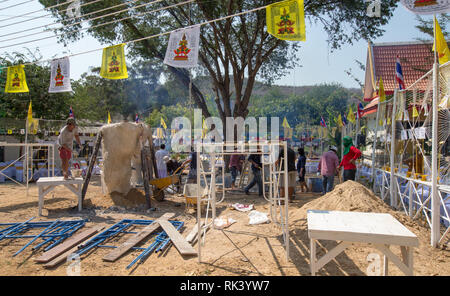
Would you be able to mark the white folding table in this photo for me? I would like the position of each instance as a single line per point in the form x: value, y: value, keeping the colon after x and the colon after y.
x: 47, y: 184
x: 379, y: 230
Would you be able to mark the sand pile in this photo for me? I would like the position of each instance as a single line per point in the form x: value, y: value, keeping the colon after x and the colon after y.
x: 349, y: 196
x: 134, y: 198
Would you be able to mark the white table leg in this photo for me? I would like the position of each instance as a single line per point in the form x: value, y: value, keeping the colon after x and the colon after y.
x: 385, y: 265
x: 41, y: 200
x: 80, y: 205
x: 410, y: 251
x: 313, y: 256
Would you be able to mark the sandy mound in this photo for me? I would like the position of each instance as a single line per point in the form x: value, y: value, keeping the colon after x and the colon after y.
x: 349, y: 196
x: 133, y: 199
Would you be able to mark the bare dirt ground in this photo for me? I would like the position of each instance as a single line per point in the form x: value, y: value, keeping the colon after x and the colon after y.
x: 240, y: 249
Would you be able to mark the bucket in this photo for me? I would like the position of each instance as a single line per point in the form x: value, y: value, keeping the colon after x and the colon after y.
x: 315, y: 184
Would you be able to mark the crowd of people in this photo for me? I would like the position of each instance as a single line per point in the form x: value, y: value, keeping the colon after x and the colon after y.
x: 328, y: 168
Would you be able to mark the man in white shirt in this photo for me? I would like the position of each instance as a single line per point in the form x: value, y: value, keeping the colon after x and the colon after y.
x: 65, y: 144
x: 160, y: 163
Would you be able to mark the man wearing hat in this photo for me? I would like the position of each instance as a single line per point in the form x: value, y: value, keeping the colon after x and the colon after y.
x: 65, y: 144
x: 328, y: 165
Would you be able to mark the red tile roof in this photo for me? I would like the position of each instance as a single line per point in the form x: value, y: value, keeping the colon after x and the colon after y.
x: 416, y: 59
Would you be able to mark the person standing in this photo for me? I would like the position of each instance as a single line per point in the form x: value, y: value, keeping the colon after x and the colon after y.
x: 160, y: 163
x: 351, y: 154
x: 235, y: 166
x: 255, y: 160
x: 328, y: 165
x: 291, y: 172
x: 65, y: 144
x: 301, y: 169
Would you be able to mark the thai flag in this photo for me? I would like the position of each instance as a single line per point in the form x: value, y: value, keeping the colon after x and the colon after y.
x: 399, y: 74
x: 344, y: 120
x: 71, y: 113
x: 322, y: 122
x: 359, y: 113
x: 136, y: 119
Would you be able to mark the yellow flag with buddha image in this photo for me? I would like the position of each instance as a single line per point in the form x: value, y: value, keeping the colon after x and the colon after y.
x: 286, y: 20
x: 113, y: 63
x: 15, y: 80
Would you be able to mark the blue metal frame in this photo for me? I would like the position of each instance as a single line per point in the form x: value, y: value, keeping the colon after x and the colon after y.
x: 159, y: 243
x: 54, y: 232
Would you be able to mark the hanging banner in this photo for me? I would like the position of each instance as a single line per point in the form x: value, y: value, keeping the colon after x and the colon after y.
x: 15, y: 80
x: 60, y: 76
x: 113, y: 62
x: 182, y: 49
x: 427, y: 6
x: 286, y: 20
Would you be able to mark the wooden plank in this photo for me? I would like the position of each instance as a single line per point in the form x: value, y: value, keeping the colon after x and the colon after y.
x: 196, y: 237
x: 190, y: 237
x: 178, y: 241
x: 135, y: 239
x: 68, y: 244
x: 91, y: 165
x: 146, y: 177
x: 60, y: 258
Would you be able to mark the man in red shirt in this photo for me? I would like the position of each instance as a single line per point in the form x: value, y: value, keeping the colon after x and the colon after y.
x: 351, y: 154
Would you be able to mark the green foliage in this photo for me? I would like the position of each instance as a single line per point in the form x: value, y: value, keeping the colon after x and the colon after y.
x: 45, y: 105
x: 325, y: 100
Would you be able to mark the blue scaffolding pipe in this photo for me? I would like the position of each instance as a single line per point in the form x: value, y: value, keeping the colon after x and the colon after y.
x: 54, y: 232
x: 15, y: 227
x: 161, y: 240
x: 37, y: 236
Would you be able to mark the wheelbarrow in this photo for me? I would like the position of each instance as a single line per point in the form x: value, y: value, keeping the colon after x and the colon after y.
x: 161, y: 184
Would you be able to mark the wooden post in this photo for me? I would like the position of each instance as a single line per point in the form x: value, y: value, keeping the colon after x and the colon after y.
x: 145, y: 176
x: 91, y: 166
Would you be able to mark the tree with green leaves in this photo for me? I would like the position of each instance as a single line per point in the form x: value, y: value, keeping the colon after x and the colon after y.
x: 234, y: 51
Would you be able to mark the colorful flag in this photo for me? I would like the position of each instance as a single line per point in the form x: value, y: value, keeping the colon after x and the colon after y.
x: 360, y: 111
x: 285, y: 123
x: 109, y: 118
x: 339, y: 121
x: 344, y: 120
x: 183, y: 47
x: 16, y: 81
x: 286, y: 20
x: 71, y: 113
x: 440, y: 45
x: 113, y: 62
x: 381, y: 94
x: 351, y: 115
x: 415, y: 113
x: 159, y: 133
x: 399, y: 74
x: 322, y: 122
x: 163, y: 123
x: 32, y: 123
x: 60, y: 76
x: 136, y: 119
x: 30, y: 112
